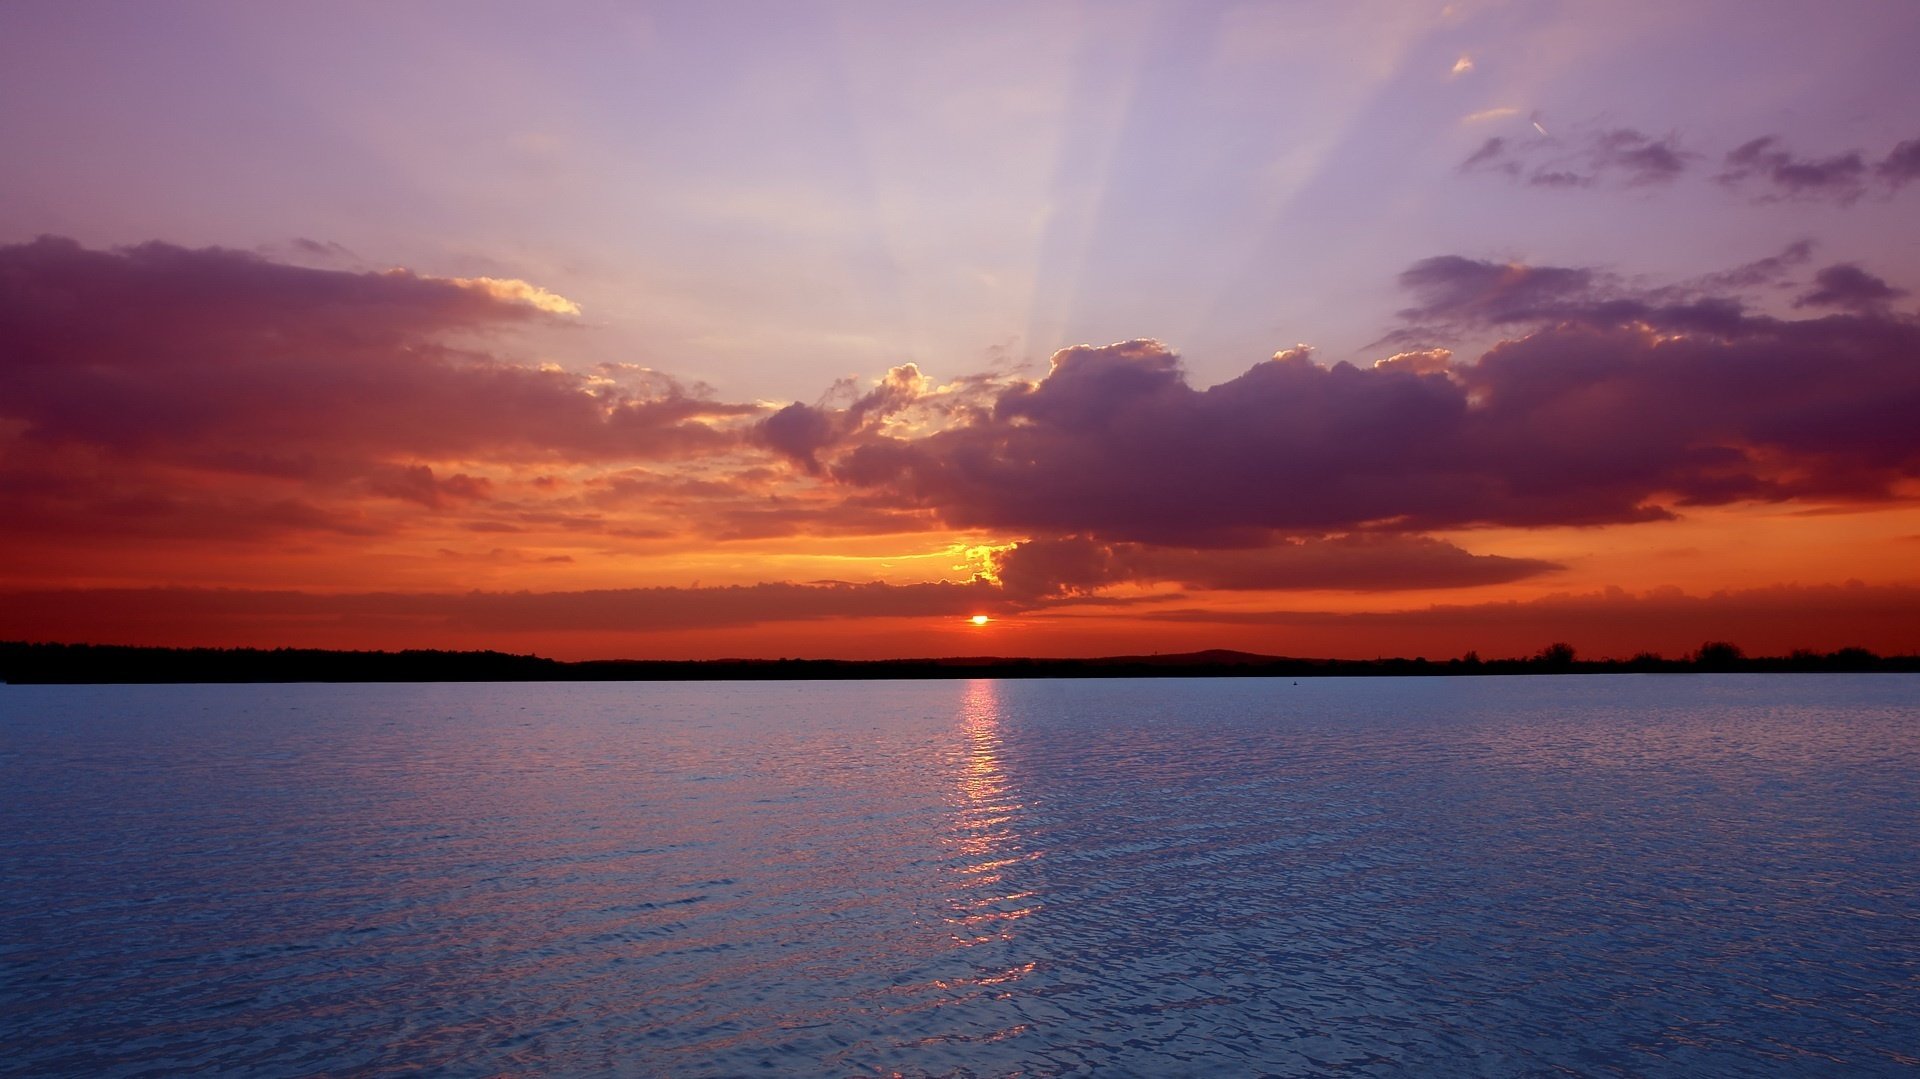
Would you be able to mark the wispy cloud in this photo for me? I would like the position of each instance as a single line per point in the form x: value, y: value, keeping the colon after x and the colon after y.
x: 1618, y: 156
x: 1763, y: 169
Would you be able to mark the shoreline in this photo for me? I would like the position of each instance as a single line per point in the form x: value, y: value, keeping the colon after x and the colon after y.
x: 24, y: 663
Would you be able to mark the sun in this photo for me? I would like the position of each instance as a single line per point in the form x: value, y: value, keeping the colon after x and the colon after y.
x: 979, y: 619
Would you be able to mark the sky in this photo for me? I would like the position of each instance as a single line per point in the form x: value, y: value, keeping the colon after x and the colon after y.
x: 818, y: 329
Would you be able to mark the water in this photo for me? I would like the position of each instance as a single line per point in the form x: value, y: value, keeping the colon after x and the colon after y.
x: 1608, y: 875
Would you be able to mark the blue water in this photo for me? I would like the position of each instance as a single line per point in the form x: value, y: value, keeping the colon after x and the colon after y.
x: 1607, y: 875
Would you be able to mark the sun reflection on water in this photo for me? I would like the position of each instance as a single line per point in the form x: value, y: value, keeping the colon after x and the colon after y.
x: 984, y: 842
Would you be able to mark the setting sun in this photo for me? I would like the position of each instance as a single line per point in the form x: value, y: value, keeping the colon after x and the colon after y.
x: 979, y: 619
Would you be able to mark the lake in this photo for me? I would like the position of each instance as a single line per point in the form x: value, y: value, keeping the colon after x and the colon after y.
x: 1602, y: 875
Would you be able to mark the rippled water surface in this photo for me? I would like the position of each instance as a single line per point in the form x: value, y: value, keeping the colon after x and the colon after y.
x: 1608, y: 875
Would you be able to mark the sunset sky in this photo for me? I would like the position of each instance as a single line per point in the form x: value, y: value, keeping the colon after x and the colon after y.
x: 805, y: 329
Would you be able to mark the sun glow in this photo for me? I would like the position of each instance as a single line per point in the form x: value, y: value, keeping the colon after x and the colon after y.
x: 979, y: 619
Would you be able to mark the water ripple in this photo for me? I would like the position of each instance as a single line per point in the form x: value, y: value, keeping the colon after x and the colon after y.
x: 1596, y: 876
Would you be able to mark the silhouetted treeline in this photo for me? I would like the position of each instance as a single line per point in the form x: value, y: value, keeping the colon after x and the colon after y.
x: 22, y: 662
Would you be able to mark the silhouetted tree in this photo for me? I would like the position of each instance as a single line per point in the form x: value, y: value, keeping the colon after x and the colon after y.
x: 1557, y: 654
x: 1719, y: 656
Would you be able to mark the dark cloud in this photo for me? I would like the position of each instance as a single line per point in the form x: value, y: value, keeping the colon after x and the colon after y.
x: 1461, y: 295
x: 164, y: 391
x: 1850, y: 288
x: 1765, y: 167
x: 1606, y: 405
x: 1640, y: 159
x: 1618, y: 156
x: 1073, y: 565
x: 1902, y: 166
x: 1064, y: 566
x: 800, y: 432
x: 158, y: 350
x: 1454, y: 290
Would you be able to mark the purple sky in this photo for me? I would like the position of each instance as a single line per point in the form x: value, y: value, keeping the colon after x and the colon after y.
x: 770, y: 196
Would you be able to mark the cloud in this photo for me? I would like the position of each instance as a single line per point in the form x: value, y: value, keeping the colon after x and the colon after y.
x: 1492, y: 156
x: 1770, y: 270
x: 166, y: 351
x: 1768, y: 171
x: 205, y: 615
x: 801, y: 432
x: 1452, y: 289
x: 1497, y: 113
x: 163, y: 390
x: 1605, y: 404
x: 159, y: 393
x: 1073, y: 565
x: 1763, y: 168
x: 1901, y: 166
x: 1762, y: 163
x: 1639, y: 159
x: 325, y: 250
x: 1618, y: 156
x: 1459, y: 295
x: 1850, y: 288
x: 513, y: 290
x: 1423, y: 361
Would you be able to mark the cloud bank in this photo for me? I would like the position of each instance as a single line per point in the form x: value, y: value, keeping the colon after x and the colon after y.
x: 1602, y: 407
x: 211, y: 399
x: 210, y: 355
